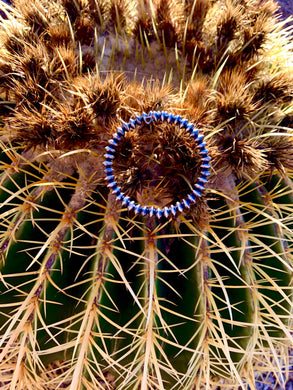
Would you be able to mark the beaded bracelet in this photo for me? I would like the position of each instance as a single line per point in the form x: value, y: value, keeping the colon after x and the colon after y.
x: 166, y: 211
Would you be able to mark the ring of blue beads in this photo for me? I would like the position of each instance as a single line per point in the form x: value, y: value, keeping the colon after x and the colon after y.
x: 173, y: 209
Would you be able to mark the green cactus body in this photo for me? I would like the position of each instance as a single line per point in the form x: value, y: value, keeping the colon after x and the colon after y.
x: 100, y: 294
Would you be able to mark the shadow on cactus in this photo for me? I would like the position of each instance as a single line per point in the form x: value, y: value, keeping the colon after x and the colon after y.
x: 167, y: 263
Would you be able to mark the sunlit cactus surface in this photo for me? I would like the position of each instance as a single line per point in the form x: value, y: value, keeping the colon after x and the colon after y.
x: 146, y: 195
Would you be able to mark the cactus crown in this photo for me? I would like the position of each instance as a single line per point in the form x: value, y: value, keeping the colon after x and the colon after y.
x: 135, y: 254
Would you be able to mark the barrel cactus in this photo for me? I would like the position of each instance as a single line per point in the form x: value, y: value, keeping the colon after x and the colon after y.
x: 146, y: 194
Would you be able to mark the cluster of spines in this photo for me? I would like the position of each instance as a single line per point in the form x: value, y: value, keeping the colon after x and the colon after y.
x: 166, y: 211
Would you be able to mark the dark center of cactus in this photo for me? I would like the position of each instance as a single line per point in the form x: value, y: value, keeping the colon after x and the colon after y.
x: 163, y: 165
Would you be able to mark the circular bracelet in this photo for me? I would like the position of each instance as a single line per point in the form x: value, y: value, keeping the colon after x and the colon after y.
x: 173, y: 209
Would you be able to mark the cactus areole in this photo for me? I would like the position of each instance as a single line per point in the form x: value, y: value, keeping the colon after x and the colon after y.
x: 146, y: 195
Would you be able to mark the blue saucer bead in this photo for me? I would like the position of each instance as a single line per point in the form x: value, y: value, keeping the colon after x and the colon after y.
x: 132, y: 123
x: 156, y: 115
x: 191, y: 130
x: 159, y: 213
x: 199, y: 187
x: 199, y: 139
x: 201, y: 145
x: 120, y: 131
x: 108, y: 170
x: 154, y: 211
x: 178, y: 119
x: 191, y: 198
x: 183, y: 123
x: 151, y: 211
x: 163, y: 116
x: 131, y: 205
x: 138, y: 119
x: 117, y: 137
x: 113, y: 143
x: 109, y: 156
x: 116, y: 191
x: 174, y: 210
x: 186, y: 203
x: 137, y: 208
x: 125, y: 126
x: 196, y: 193
x: 205, y: 173
x: 125, y: 201
x: 120, y: 196
x: 109, y: 149
x: 166, y: 212
x: 111, y: 184
x: 179, y: 207
x: 144, y: 211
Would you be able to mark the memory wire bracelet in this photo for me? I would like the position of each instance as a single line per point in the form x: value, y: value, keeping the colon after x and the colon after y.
x: 173, y: 209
